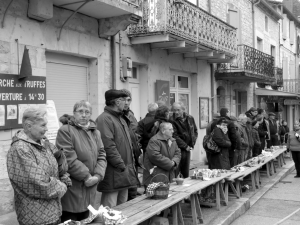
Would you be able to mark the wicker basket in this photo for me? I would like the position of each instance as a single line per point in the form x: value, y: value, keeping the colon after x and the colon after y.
x: 163, y: 191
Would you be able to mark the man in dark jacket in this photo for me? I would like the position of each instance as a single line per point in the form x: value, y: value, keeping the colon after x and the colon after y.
x: 185, y: 133
x: 162, y: 155
x: 145, y: 125
x: 120, y: 174
x: 244, y: 146
x: 132, y: 192
x: 263, y: 129
x: 274, y: 138
x: 224, y: 112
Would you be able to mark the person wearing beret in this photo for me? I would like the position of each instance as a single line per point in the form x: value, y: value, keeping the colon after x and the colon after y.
x: 121, y: 173
x: 274, y: 138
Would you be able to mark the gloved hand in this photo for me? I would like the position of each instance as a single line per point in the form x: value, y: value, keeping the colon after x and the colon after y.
x: 66, y: 179
x: 92, y: 180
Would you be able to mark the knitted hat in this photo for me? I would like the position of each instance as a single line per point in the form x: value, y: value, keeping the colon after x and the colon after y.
x: 223, y: 111
x: 128, y: 93
x: 114, y: 94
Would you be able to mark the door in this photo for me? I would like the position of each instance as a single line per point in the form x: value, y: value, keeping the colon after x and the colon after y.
x: 66, y: 81
x: 134, y: 88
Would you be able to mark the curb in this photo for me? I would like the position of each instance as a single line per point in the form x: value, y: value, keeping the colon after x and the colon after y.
x: 243, y: 204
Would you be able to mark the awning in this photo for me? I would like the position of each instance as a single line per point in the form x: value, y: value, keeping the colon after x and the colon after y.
x: 262, y: 91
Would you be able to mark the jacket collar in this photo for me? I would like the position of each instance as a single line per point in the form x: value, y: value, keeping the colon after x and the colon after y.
x: 22, y: 136
x: 160, y: 136
x: 112, y: 112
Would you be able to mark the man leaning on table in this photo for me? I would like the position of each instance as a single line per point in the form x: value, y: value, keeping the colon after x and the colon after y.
x: 162, y: 155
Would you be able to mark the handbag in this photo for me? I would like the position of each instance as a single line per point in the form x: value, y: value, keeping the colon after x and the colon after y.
x: 210, y: 145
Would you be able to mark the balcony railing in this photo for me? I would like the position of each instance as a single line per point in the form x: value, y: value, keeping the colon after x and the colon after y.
x: 291, y: 85
x: 186, y: 21
x: 251, y: 61
x: 135, y: 3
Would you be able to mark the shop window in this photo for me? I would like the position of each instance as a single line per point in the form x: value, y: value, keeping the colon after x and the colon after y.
x: 183, y: 82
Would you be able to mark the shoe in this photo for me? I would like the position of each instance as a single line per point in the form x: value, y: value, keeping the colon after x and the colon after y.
x: 245, y: 188
x: 297, y: 176
x: 188, y: 201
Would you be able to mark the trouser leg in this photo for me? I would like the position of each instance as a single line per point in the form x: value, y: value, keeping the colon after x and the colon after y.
x: 122, y: 196
x: 296, y: 158
x: 184, y: 166
x: 109, y: 199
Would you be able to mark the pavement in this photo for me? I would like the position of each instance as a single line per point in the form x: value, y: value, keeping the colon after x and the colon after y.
x: 277, y: 198
x: 277, y: 203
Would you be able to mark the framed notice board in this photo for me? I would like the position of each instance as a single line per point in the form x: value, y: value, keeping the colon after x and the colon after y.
x: 163, y: 91
x: 17, y: 95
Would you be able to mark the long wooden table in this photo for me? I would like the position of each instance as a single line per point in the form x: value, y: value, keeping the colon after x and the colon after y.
x: 142, y: 208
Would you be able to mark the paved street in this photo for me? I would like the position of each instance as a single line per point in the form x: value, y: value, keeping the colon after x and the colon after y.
x: 280, y: 201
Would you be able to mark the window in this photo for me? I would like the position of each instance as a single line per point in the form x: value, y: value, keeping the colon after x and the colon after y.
x: 234, y: 19
x: 266, y: 24
x: 180, y: 89
x: 259, y: 44
x: 273, y: 52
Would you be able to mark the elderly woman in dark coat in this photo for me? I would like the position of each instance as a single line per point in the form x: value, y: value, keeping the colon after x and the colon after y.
x: 221, y: 160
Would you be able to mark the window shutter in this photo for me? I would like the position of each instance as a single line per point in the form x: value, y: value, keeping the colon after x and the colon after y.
x: 284, y: 27
x: 292, y: 32
x: 292, y: 70
x: 234, y: 20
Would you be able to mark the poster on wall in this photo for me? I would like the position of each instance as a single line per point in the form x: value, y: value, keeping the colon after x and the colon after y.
x: 204, y: 112
x: 16, y: 95
x: 163, y: 91
x: 53, y: 124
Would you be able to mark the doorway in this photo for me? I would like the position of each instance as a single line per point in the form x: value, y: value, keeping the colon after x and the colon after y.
x: 134, y: 88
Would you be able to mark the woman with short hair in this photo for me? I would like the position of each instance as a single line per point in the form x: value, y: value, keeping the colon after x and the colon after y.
x: 82, y: 145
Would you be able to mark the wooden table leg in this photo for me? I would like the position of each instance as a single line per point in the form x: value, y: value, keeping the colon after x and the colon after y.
x: 253, y: 181
x: 198, y: 208
x: 175, y: 214
x: 234, y: 190
x: 194, y: 209
x: 257, y: 178
x: 268, y: 170
x: 222, y: 194
x: 283, y: 159
x: 226, y: 191
x: 274, y: 168
x: 218, y: 199
x: 180, y: 217
x: 238, y: 187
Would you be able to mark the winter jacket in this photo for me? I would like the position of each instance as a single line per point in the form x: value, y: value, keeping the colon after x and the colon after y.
x: 33, y: 173
x: 182, y: 134
x: 133, y: 122
x: 160, y: 154
x: 241, y: 128
x: 220, y: 160
x: 144, y: 129
x: 293, y: 144
x: 86, y: 157
x: 255, y: 137
x: 120, y: 173
x: 231, y: 132
x: 249, y: 128
x: 273, y: 127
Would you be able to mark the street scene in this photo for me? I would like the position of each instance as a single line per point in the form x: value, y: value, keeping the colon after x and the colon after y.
x: 149, y: 112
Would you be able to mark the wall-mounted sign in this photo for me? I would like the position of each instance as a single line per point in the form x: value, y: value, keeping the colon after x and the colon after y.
x: 291, y: 102
x: 163, y: 91
x: 53, y: 123
x: 16, y: 95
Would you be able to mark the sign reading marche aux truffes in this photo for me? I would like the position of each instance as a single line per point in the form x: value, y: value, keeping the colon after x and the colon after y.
x: 18, y: 92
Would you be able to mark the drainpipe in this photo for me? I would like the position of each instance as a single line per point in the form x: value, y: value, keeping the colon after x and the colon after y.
x: 212, y: 87
x: 113, y: 61
x: 254, y: 37
x: 209, y: 6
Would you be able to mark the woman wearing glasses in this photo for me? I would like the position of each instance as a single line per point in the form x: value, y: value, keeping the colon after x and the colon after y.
x: 83, y: 147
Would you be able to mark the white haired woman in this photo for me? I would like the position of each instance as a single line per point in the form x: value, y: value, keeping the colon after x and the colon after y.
x: 33, y: 172
x: 84, y: 150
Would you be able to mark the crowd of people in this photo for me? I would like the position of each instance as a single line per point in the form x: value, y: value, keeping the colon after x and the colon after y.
x: 244, y: 137
x: 55, y: 183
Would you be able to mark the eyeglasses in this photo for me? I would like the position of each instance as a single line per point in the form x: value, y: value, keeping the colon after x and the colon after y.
x: 122, y: 99
x: 81, y: 112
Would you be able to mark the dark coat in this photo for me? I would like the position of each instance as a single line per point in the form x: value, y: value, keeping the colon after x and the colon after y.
x: 273, y: 127
x: 220, y: 160
x: 120, y: 173
x: 181, y: 134
x: 231, y: 132
x: 85, y: 156
x: 144, y: 129
x: 244, y: 136
x: 257, y: 144
x: 293, y: 144
x: 161, y: 155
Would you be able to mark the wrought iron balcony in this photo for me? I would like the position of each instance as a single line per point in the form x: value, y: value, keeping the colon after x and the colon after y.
x: 183, y: 21
x: 291, y: 85
x: 250, y: 64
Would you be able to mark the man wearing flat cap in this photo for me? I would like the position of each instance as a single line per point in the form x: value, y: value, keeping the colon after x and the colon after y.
x: 274, y: 138
x: 120, y: 173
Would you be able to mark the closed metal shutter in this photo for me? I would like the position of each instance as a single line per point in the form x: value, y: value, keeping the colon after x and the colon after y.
x: 66, y: 81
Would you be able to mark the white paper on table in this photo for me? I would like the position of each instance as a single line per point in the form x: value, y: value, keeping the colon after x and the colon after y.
x: 186, y: 185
